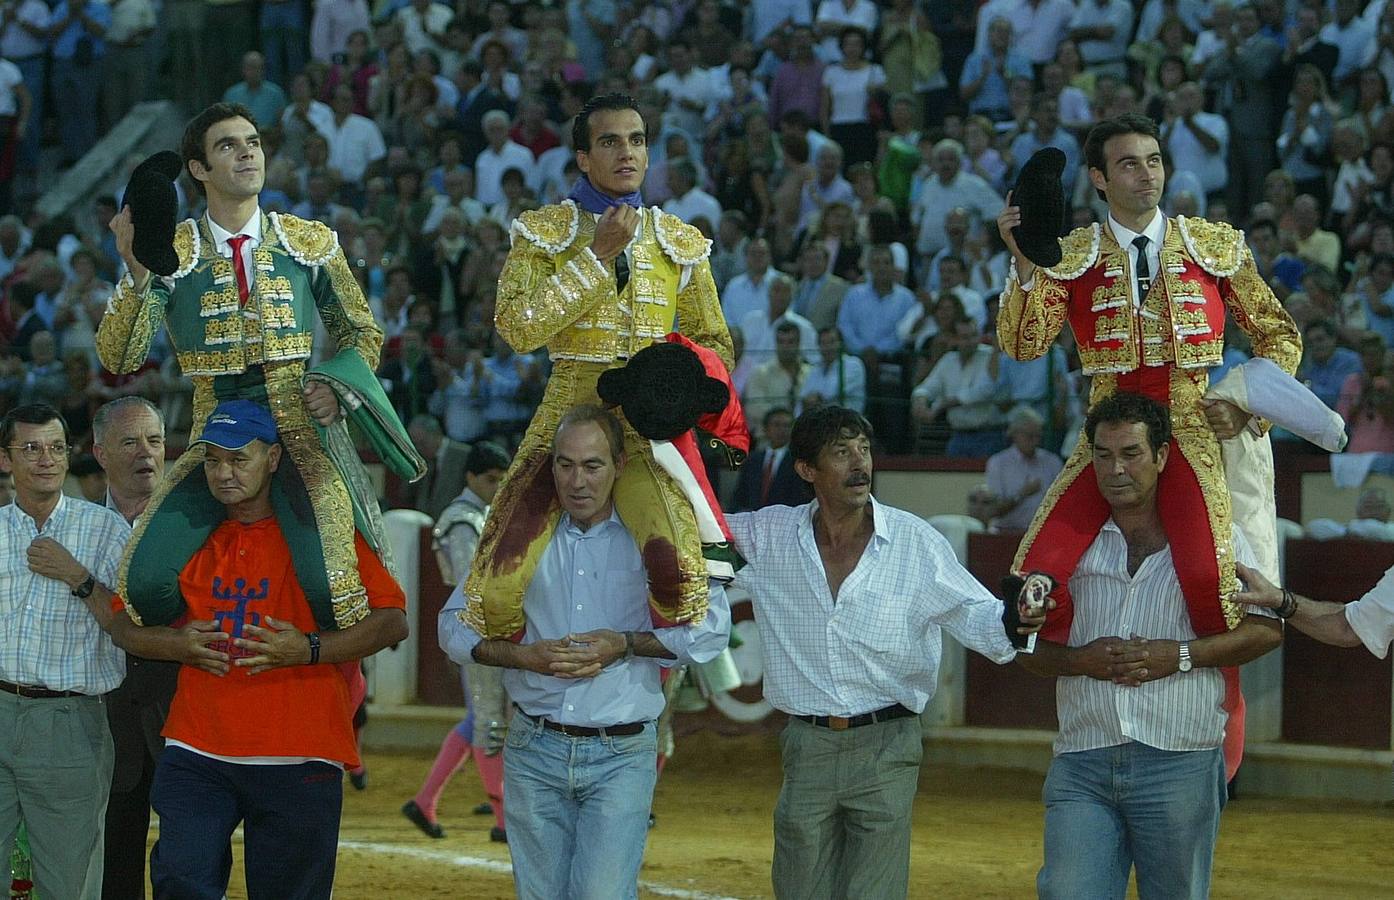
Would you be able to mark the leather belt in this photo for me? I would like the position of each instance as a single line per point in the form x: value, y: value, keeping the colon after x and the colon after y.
x: 36, y: 693
x: 841, y: 723
x: 624, y: 730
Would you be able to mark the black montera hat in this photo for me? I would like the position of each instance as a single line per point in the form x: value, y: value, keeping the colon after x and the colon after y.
x: 663, y: 391
x: 1041, y: 196
x: 154, y: 207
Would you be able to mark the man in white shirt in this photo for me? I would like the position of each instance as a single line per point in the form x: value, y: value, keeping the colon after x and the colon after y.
x: 759, y: 327
x: 963, y: 386
x: 689, y: 202
x: 354, y: 141
x: 837, y: 378
x: 949, y: 188
x: 499, y: 156
x: 750, y: 291
x: 1103, y: 29
x: 1198, y: 141
x: 1354, y: 39
x: 1038, y: 26
x: 688, y: 88
x: 1138, y: 778
x: 850, y: 598
x: 423, y: 24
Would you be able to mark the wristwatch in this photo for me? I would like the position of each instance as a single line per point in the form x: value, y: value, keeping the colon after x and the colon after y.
x: 84, y: 590
x: 1184, y: 663
x: 629, y: 645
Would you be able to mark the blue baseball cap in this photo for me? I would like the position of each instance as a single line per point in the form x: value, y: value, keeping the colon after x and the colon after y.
x: 236, y: 423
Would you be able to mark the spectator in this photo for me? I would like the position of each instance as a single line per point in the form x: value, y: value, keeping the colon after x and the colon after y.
x: 1037, y: 28
x: 1305, y: 136
x: 355, y: 141
x: 759, y: 326
x: 1353, y: 175
x: 127, y: 65
x: 302, y: 117
x: 445, y: 466
x: 422, y: 24
x: 1196, y: 140
x: 950, y: 187
x: 1325, y: 366
x: 500, y: 155
x: 688, y: 89
x: 1314, y: 244
x: 80, y: 306
x: 741, y: 186
x: 768, y: 478
x: 77, y: 52
x: 750, y: 291
x: 1279, y: 269
x: 1103, y: 29
x: 358, y: 69
x: 871, y: 310
x: 1367, y: 400
x: 837, y: 378
x: 24, y: 42
x: 848, y: 90
x: 819, y: 293
x: 1046, y: 132
x: 689, y: 201
x: 1377, y: 298
x: 45, y: 380
x: 1241, y: 71
x: 927, y: 330
x: 728, y: 247
x: 962, y: 387
x: 834, y: 16
x: 1305, y: 46
x: 983, y: 83
x: 797, y: 83
x: 531, y: 130
x: 502, y: 32
x: 1020, y: 475
x: 332, y: 30
x: 459, y: 399
x: 512, y: 383
x: 826, y: 187
x: 777, y: 382
x: 1353, y: 38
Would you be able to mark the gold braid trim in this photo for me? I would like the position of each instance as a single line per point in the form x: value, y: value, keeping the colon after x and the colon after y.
x: 553, y: 228
x: 191, y: 459
x: 1080, y: 248
x: 1027, y: 323
x: 1217, y: 247
x: 309, y: 243
x: 681, y: 242
x: 1201, y: 448
x: 129, y: 326
x: 188, y: 246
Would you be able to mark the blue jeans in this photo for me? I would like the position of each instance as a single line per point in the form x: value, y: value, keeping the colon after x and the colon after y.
x: 283, y: 41
x: 1114, y: 808
x: 290, y: 827
x: 578, y: 811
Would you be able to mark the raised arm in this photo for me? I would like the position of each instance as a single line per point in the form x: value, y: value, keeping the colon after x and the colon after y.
x: 137, y: 306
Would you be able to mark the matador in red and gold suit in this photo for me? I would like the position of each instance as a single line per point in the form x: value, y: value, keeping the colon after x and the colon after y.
x: 1161, y: 345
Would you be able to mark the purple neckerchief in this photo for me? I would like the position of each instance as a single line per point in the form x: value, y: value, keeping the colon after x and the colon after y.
x: 593, y: 201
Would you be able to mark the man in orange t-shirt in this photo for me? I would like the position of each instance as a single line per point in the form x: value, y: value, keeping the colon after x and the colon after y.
x: 260, y: 729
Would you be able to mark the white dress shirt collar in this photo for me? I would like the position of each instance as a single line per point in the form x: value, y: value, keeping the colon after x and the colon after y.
x: 252, y: 229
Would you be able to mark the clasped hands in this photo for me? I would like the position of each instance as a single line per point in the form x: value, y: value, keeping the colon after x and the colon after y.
x: 1129, y: 662
x: 274, y: 644
x: 576, y: 655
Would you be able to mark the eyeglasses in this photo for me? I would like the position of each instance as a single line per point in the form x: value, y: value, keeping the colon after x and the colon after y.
x: 34, y: 451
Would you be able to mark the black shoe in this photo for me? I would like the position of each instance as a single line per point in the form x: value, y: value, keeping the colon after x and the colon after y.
x: 653, y: 820
x: 359, y: 780
x: 412, y: 811
x: 484, y: 809
x: 498, y: 835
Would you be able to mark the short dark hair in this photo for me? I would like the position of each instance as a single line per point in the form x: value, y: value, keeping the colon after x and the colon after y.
x: 777, y: 411
x: 1322, y: 324
x: 1102, y: 133
x: 823, y: 426
x: 191, y: 146
x: 85, y: 464
x: 786, y: 327
x: 599, y: 415
x: 581, y: 128
x: 486, y: 456
x: 30, y: 414
x: 1128, y: 408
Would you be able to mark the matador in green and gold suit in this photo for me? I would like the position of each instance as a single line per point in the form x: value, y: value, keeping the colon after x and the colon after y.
x: 260, y: 350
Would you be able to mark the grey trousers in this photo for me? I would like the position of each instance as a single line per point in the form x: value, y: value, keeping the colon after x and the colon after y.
x: 55, y: 773
x: 842, y: 823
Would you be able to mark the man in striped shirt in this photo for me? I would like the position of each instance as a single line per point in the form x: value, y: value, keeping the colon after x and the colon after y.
x: 1138, y: 778
x: 56, y: 661
x: 850, y: 599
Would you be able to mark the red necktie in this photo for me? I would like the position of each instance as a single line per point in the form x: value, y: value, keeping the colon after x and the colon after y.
x: 243, y: 289
x: 768, y: 478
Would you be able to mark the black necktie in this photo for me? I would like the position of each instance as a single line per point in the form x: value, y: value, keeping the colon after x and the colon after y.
x: 621, y: 273
x: 1144, y: 271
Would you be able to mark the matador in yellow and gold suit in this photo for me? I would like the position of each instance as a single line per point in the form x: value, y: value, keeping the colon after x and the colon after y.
x: 553, y: 291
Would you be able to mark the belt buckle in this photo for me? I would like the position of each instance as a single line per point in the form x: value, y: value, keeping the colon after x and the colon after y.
x: 838, y: 723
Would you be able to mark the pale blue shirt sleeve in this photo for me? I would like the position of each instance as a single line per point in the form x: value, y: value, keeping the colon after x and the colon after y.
x: 699, y: 643
x: 457, y: 639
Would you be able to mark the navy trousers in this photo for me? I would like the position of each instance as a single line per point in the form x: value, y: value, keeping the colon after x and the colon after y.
x: 290, y: 827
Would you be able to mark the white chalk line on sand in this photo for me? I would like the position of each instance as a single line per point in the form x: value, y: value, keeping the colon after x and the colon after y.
x: 501, y: 867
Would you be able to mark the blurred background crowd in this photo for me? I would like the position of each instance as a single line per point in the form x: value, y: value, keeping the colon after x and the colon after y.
x: 847, y: 158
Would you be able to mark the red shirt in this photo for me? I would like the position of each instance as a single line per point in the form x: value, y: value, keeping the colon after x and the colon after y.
x: 244, y: 573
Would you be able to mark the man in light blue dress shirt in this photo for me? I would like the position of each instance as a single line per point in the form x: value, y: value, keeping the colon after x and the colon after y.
x: 581, y: 758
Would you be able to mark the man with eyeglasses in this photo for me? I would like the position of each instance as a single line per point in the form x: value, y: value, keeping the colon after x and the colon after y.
x: 56, y: 659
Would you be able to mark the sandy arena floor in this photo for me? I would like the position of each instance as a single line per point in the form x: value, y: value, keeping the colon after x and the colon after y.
x: 714, y: 838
